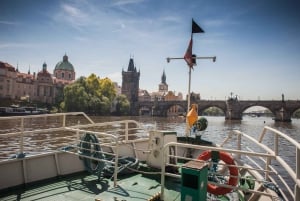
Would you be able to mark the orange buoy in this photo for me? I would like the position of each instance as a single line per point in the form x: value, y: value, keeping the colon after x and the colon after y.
x: 192, y: 115
x: 234, y: 172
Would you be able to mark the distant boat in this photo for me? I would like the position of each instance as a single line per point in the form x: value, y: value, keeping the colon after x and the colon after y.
x: 20, y: 111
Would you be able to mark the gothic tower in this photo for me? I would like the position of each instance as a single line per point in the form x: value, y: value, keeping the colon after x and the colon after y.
x: 130, y: 84
x: 163, y: 86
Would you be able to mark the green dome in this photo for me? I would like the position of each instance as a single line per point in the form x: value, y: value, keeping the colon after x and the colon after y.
x: 64, y: 64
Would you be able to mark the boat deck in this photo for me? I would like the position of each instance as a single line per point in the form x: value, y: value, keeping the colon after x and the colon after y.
x: 84, y: 186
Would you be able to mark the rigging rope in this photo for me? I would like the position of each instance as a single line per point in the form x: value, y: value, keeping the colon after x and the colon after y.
x: 89, y: 146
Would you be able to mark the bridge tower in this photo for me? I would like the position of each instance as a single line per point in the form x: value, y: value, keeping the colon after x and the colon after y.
x: 130, y: 86
x: 233, y: 111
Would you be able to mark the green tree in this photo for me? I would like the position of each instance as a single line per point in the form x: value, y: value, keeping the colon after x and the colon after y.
x: 122, y: 105
x: 107, y: 88
x: 75, y: 98
x: 92, y: 85
x: 92, y: 95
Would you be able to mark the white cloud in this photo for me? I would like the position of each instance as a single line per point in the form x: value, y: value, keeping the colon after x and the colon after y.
x: 126, y: 2
x: 16, y: 45
x: 8, y: 22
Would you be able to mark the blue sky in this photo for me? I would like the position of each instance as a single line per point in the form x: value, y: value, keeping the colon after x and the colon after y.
x: 257, y: 42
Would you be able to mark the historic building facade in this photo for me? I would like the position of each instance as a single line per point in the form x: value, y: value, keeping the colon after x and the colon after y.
x: 42, y: 87
x: 163, y: 94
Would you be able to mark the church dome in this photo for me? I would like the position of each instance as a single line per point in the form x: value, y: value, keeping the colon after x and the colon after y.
x: 64, y: 65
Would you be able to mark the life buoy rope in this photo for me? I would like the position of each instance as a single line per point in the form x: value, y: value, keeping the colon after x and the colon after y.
x: 89, y: 146
x: 234, y: 172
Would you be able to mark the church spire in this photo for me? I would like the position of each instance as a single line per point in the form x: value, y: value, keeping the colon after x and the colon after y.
x: 131, y: 65
x: 163, y: 78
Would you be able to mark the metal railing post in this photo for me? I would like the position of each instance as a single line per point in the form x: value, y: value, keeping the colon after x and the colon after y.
x: 297, y: 187
x: 116, y: 163
x: 239, y: 146
x: 21, y: 154
x: 64, y: 120
x: 126, y: 131
x: 163, y: 172
x: 276, y: 144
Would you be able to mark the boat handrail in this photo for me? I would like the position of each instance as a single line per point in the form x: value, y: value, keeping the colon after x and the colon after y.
x: 166, y: 155
x: 277, y: 132
x: 294, y: 174
x: 269, y: 155
x: 37, y: 116
x: 22, y: 131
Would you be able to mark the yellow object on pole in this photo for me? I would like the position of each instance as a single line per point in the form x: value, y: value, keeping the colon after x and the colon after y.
x: 192, y: 116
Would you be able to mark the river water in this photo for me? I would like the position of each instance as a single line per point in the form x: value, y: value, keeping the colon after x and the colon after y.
x: 217, y: 126
x: 218, y: 129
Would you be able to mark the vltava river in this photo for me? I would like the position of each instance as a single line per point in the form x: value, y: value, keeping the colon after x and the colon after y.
x: 218, y: 129
x: 217, y: 126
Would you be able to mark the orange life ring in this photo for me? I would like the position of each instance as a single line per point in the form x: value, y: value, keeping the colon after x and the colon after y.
x: 234, y: 172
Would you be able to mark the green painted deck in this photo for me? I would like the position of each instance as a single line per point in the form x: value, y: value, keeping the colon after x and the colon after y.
x: 83, y: 186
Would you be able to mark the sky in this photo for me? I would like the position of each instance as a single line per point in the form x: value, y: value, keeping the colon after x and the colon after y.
x: 257, y: 42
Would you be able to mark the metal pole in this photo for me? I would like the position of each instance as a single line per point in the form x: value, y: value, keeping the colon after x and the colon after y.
x: 189, y: 91
x: 187, y: 129
x: 189, y: 87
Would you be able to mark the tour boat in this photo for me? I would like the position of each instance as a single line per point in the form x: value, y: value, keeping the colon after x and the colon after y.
x: 18, y: 111
x: 68, y: 156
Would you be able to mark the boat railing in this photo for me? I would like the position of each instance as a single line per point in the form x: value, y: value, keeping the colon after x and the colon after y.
x: 267, y: 172
x: 22, y: 129
x: 125, y: 129
x: 61, y: 133
x: 277, y: 137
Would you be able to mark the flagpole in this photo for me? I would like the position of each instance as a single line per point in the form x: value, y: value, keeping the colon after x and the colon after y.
x: 187, y: 128
x: 189, y: 57
x: 189, y: 87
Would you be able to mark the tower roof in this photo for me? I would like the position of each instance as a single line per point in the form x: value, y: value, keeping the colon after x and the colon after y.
x: 131, y: 65
x: 64, y: 64
x: 163, y: 78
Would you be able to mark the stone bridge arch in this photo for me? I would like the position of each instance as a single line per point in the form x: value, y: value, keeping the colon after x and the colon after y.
x: 203, y: 105
x: 233, y: 108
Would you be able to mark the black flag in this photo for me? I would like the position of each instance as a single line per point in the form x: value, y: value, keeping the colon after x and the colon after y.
x: 196, y: 28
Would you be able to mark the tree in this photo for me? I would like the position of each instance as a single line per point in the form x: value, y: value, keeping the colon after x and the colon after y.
x: 92, y: 95
x: 122, y: 105
x: 107, y: 88
x: 75, y: 98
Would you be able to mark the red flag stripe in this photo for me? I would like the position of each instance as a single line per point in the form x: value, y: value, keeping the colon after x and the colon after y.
x: 188, y: 54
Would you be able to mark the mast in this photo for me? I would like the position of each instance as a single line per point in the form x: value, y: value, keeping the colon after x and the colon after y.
x: 190, y: 59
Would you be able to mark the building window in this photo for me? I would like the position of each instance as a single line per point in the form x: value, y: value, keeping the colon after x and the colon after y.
x: 62, y: 75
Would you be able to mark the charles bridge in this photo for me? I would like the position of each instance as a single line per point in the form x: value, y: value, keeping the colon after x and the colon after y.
x: 232, y: 108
